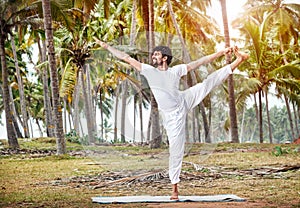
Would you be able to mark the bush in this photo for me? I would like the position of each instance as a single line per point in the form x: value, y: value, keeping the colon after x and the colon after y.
x: 281, y: 151
x: 73, y: 137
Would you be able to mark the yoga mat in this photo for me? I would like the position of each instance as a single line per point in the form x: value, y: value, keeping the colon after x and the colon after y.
x: 165, y: 199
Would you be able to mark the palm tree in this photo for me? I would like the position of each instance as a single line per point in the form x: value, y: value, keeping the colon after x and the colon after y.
x: 46, y: 96
x: 59, y: 132
x: 21, y: 91
x: 232, y: 109
x: 9, y: 12
x: 260, y: 54
x: 261, y: 28
x: 76, y: 47
x: 59, y: 15
x: 286, y: 78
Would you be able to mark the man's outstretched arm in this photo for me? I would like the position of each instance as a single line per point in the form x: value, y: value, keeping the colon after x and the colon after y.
x: 120, y: 55
x: 207, y: 59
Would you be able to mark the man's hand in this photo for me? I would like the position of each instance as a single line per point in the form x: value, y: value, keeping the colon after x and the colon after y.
x: 101, y: 43
x: 229, y: 50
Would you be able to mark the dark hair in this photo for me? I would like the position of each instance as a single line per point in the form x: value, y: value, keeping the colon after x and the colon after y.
x: 165, y: 51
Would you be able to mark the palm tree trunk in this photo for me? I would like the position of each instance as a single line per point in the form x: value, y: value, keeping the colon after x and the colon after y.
x: 76, y: 114
x: 116, y: 115
x: 59, y: 132
x: 151, y: 26
x: 65, y: 113
x: 15, y: 118
x: 21, y: 91
x: 133, y: 23
x: 123, y: 110
x: 296, y: 118
x: 198, y: 129
x: 39, y: 127
x: 145, y: 15
x: 140, y: 100
x: 47, y: 101
x: 260, y: 117
x: 232, y: 109
x: 92, y: 108
x: 156, y: 133
x: 268, y: 117
x: 11, y: 136
x: 101, y: 115
x: 205, y: 123
x: 290, y: 117
x: 134, y: 118
x: 87, y: 108
x: 70, y: 116
x: 149, y: 125
x: 242, y: 126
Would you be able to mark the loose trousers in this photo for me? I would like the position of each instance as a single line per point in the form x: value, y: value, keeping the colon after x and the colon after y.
x: 175, y: 120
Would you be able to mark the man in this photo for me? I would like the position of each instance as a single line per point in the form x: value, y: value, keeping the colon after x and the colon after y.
x: 173, y: 103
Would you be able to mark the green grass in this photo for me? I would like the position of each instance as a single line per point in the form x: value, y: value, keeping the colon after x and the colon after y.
x: 28, y: 181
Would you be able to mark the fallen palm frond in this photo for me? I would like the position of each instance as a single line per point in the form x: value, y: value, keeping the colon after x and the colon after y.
x: 202, y: 173
x: 197, y: 167
x: 137, y: 178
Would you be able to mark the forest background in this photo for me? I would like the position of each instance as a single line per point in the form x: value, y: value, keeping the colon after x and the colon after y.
x: 100, y: 99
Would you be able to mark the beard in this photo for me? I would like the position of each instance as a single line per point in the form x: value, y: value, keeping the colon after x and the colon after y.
x: 156, y: 63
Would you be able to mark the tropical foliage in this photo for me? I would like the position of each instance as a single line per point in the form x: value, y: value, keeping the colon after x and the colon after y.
x: 101, y: 99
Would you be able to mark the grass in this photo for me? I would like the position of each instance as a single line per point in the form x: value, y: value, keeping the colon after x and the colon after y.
x: 28, y: 181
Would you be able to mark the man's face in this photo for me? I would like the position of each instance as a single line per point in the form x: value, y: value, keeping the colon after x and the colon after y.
x: 157, y: 59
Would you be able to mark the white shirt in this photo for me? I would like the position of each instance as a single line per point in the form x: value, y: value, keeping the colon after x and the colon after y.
x: 165, y: 85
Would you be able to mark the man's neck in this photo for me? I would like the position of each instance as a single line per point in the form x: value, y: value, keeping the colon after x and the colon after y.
x: 163, y: 67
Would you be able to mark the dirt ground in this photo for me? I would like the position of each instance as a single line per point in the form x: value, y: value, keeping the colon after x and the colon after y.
x: 212, y: 205
x: 264, y: 175
x: 246, y: 204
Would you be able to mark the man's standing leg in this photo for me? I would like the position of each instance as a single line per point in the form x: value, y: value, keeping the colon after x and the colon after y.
x: 175, y: 127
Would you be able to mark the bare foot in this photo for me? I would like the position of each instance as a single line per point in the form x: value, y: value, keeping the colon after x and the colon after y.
x: 174, y: 197
x: 174, y: 192
x: 240, y: 55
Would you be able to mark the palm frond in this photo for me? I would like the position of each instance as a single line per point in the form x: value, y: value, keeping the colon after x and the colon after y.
x: 253, y: 31
x: 68, y: 80
x: 289, y: 70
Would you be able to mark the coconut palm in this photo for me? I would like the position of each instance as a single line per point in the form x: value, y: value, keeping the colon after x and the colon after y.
x: 287, y: 83
x: 21, y: 91
x: 232, y: 109
x: 264, y: 22
x: 74, y: 44
x: 12, y: 14
x: 59, y: 132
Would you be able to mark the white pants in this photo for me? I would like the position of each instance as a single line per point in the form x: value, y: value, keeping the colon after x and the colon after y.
x: 174, y: 121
